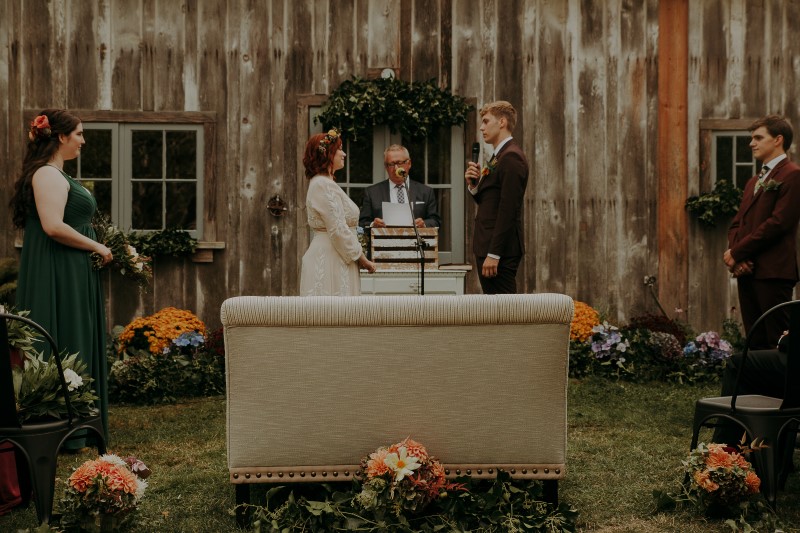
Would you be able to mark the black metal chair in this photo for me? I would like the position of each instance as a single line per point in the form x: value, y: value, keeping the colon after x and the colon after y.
x: 38, y: 442
x: 775, y: 420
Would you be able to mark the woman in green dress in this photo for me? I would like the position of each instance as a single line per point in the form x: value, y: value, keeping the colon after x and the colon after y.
x: 57, y: 282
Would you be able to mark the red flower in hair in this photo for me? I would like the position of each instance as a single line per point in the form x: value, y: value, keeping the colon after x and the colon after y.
x: 40, y: 127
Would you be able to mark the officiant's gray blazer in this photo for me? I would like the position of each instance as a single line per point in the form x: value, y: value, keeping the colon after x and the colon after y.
x: 422, y: 196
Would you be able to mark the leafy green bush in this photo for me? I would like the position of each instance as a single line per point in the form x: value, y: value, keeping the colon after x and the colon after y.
x: 170, y: 241
x: 497, y: 505
x: 188, y: 368
x: 722, y: 202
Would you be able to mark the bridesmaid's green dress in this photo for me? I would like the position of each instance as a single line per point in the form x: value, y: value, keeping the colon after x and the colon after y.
x: 62, y: 290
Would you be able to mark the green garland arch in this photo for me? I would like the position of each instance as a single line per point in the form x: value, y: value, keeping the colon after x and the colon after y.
x: 415, y: 109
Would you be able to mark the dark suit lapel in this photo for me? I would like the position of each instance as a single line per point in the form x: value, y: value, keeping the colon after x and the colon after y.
x: 749, y: 200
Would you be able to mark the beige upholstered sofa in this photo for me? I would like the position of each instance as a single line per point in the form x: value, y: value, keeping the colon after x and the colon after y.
x: 316, y: 383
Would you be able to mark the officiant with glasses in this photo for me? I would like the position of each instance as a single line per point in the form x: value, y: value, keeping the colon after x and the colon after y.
x: 399, y: 188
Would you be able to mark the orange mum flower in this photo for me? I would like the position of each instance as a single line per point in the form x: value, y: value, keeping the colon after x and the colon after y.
x: 753, y: 482
x: 376, y: 465
x: 584, y: 319
x: 703, y: 480
x: 719, y: 458
x: 416, y: 449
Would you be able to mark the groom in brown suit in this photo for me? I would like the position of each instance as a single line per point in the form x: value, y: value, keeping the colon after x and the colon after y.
x: 761, y: 250
x: 499, y: 190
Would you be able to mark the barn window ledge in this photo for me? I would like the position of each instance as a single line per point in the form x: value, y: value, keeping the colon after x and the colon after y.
x: 204, y: 251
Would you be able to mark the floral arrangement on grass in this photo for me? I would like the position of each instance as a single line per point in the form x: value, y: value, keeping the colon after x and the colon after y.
x: 708, y: 347
x: 720, y: 482
x: 37, y: 386
x: 402, y: 489
x: 102, y: 494
x: 166, y: 356
x: 608, y: 345
x: 583, y: 320
x: 126, y: 259
x: 402, y: 477
x: 156, y: 332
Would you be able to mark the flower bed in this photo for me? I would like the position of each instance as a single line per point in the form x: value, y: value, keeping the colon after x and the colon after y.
x: 649, y: 347
x: 166, y: 356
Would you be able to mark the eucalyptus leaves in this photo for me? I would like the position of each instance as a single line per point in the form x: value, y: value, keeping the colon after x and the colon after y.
x: 415, y: 109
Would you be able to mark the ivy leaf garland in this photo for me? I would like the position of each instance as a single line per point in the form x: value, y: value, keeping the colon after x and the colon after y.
x: 723, y: 201
x: 415, y: 109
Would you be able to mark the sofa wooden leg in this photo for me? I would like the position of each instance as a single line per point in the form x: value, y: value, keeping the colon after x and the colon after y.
x: 550, y: 492
x: 243, y: 512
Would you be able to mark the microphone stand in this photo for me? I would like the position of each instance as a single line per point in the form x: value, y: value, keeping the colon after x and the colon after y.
x: 420, y: 242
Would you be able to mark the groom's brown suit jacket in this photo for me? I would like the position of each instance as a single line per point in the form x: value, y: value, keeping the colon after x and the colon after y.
x: 765, y: 227
x: 500, y: 195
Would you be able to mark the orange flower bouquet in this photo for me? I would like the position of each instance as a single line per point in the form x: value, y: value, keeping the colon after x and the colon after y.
x: 401, y: 477
x: 156, y: 333
x: 720, y: 476
x: 102, y: 493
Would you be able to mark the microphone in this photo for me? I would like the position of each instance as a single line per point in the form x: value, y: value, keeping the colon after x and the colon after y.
x: 400, y: 172
x: 476, y: 153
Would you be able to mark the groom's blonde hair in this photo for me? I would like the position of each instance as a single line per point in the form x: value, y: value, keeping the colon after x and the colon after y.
x: 502, y: 109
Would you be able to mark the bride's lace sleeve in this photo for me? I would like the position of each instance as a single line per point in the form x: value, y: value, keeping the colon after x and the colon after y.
x: 326, y: 203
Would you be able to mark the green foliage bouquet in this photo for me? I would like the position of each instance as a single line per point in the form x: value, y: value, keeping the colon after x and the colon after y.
x: 402, y: 489
x: 38, y: 388
x: 126, y: 259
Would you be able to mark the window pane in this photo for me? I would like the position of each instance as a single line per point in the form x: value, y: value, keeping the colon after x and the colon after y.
x: 742, y: 175
x: 744, y: 154
x: 359, y: 158
x: 182, y: 202
x: 95, y: 158
x: 724, y: 158
x: 416, y: 150
x: 181, y: 155
x: 146, y: 154
x: 445, y: 212
x: 439, y: 156
x: 356, y: 194
x: 102, y: 193
x: 147, y: 206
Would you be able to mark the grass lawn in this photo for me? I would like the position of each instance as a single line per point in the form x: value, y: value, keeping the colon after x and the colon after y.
x: 624, y: 441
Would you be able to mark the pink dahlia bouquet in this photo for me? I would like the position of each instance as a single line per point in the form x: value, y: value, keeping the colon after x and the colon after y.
x: 720, y: 475
x: 103, y: 491
x: 401, y: 477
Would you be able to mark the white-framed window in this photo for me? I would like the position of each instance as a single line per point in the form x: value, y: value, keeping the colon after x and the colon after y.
x: 146, y: 177
x: 437, y: 161
x: 732, y: 158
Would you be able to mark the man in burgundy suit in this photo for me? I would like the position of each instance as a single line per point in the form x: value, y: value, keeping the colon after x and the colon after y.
x: 761, y: 250
x: 499, y: 191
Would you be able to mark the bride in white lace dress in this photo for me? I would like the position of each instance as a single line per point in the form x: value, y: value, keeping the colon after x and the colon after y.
x: 331, y: 263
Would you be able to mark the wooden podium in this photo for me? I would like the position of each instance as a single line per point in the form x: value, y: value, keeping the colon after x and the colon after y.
x: 395, y: 253
x: 396, y: 248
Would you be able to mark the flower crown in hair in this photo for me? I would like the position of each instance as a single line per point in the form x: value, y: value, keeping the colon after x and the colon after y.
x: 40, y: 127
x: 329, y: 139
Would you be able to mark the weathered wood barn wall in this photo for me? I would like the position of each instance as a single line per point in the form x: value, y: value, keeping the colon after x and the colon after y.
x: 583, y: 74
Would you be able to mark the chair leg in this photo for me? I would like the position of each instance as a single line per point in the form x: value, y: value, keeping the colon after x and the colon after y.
x: 42, y: 466
x: 550, y: 491
x: 243, y: 512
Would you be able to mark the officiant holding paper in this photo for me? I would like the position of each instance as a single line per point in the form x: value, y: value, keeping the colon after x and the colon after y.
x: 399, y: 189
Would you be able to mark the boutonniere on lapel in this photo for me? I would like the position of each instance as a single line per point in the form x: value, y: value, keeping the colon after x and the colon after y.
x: 489, y: 168
x: 769, y: 185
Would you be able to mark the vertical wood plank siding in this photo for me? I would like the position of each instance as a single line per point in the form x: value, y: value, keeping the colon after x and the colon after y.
x: 583, y: 75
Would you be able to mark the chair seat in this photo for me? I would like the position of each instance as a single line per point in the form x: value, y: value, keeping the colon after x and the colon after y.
x: 751, y: 403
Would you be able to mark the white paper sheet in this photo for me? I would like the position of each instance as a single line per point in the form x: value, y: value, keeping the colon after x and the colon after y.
x: 396, y: 214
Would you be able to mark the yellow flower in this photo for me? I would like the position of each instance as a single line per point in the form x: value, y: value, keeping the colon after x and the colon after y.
x: 583, y: 321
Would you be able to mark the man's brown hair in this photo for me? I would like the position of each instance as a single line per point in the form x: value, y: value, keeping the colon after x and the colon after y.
x: 776, y: 125
x: 502, y: 109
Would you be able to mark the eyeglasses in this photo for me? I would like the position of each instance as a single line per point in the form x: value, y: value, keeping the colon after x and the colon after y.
x: 398, y: 163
